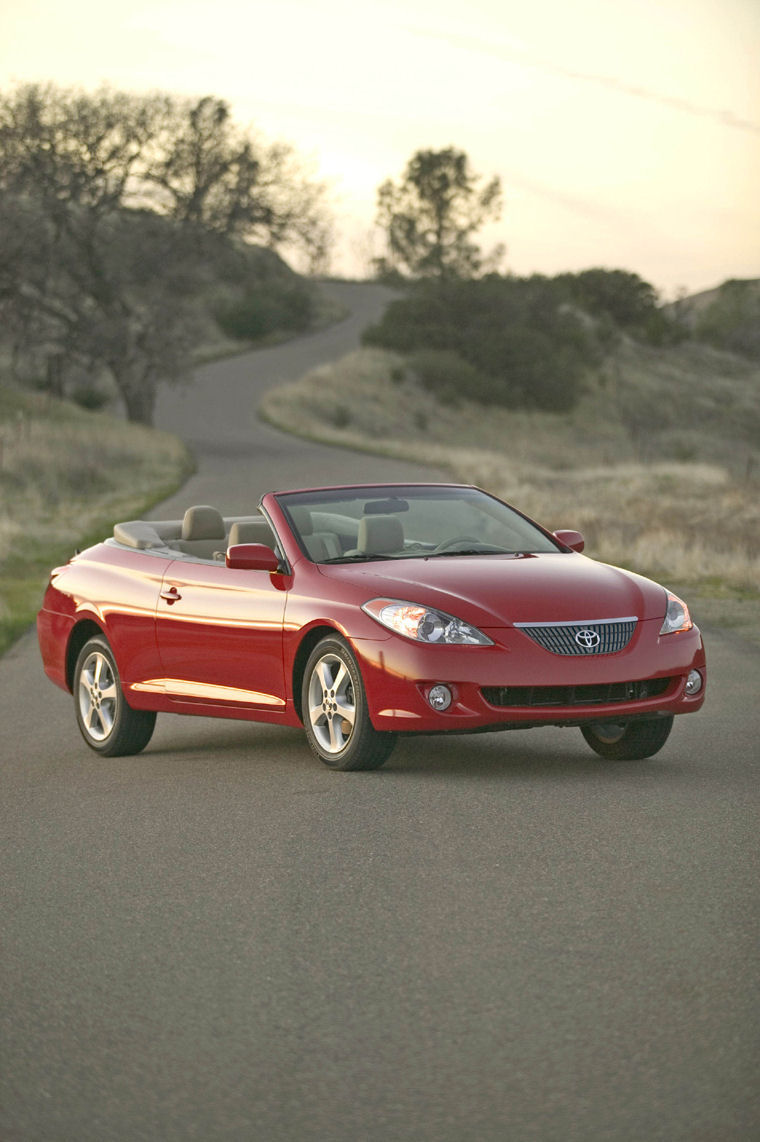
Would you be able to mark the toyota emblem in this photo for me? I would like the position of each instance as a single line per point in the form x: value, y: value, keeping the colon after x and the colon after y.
x: 588, y: 639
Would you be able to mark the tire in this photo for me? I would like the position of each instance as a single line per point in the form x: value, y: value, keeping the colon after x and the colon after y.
x: 335, y: 715
x: 628, y: 741
x: 107, y: 723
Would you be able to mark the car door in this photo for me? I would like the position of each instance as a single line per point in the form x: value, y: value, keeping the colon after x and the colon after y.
x: 220, y: 636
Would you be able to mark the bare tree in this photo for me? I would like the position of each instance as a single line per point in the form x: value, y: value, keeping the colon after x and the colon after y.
x: 105, y: 291
x: 88, y: 274
x: 208, y: 171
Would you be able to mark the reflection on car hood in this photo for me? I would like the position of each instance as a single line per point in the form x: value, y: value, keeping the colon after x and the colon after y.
x: 498, y: 590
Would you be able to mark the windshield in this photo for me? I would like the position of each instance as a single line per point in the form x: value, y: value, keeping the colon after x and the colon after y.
x: 345, y: 525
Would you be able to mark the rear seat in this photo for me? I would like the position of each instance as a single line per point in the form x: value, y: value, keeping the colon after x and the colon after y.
x: 203, y: 532
x: 251, y: 531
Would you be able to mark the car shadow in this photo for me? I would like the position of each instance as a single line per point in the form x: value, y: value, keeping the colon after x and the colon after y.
x: 537, y: 755
x: 219, y: 736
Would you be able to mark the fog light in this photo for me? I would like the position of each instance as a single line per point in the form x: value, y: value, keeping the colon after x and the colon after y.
x: 693, y: 683
x: 439, y: 697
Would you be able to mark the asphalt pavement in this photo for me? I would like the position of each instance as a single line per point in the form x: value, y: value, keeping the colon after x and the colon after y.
x: 498, y: 938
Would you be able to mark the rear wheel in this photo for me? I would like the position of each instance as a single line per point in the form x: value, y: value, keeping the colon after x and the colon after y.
x: 108, y: 725
x: 335, y: 713
x: 628, y: 741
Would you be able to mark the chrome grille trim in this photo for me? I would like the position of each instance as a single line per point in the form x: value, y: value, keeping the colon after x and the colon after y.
x: 611, y: 635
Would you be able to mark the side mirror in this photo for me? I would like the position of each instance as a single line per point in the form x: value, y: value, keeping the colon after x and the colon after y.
x: 252, y: 557
x: 572, y: 539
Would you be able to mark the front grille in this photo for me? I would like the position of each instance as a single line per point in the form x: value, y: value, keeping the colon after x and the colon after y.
x: 599, y: 694
x: 606, y: 636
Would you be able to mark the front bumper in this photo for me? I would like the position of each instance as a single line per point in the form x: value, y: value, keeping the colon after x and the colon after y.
x: 517, y: 684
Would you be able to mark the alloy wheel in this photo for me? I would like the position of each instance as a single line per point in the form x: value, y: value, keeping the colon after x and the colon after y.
x: 332, y: 705
x: 98, y: 696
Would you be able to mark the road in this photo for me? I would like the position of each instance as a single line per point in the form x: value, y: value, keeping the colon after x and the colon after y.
x: 492, y: 939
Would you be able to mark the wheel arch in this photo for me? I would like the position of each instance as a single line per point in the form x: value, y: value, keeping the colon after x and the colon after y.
x: 305, y: 647
x: 80, y: 634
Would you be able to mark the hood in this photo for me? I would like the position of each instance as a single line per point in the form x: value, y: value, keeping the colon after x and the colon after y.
x: 498, y: 590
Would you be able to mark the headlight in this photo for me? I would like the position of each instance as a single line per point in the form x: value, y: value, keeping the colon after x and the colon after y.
x: 423, y: 624
x: 677, y: 616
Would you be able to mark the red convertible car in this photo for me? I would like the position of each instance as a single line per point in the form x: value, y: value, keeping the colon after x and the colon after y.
x: 362, y: 613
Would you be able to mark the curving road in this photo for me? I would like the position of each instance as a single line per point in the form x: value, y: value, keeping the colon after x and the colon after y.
x: 491, y: 939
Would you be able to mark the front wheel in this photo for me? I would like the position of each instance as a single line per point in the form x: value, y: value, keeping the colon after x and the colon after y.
x: 628, y: 741
x: 108, y: 725
x: 335, y: 714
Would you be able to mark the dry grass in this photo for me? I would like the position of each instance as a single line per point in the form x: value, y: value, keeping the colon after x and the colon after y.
x: 65, y: 476
x: 659, y: 465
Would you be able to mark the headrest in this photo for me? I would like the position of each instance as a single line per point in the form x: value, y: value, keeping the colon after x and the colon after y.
x: 380, y: 534
x: 203, y: 522
x: 249, y: 532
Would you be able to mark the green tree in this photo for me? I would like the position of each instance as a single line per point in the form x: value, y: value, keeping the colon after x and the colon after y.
x: 431, y: 216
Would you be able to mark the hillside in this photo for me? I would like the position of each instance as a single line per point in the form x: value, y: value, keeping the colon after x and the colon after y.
x: 727, y: 317
x: 690, y: 306
x: 658, y: 464
x: 65, y: 475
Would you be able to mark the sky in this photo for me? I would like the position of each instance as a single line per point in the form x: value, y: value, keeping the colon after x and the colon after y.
x: 626, y: 133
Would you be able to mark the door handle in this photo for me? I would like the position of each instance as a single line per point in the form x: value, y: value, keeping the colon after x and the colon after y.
x: 171, y: 595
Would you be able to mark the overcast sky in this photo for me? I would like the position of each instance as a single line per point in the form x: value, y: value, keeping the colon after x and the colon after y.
x: 626, y: 132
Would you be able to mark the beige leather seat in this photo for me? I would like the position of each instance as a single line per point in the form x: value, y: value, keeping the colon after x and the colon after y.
x: 320, y: 545
x: 380, y: 534
x: 203, y: 532
x: 251, y: 531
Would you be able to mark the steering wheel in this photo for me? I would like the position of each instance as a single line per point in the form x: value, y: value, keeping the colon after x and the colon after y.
x: 448, y: 544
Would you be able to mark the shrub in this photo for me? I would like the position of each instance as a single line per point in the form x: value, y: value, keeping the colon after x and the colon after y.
x: 86, y: 396
x: 262, y: 311
x: 625, y: 297
x: 448, y: 376
x: 524, y: 346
